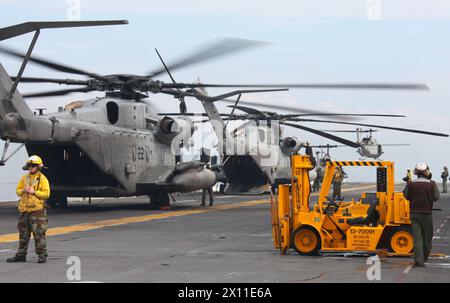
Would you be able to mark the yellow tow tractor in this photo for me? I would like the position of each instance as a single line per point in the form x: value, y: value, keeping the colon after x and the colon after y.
x: 379, y: 222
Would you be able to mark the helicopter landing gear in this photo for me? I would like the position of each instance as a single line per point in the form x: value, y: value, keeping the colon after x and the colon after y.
x: 5, y: 150
x: 159, y: 201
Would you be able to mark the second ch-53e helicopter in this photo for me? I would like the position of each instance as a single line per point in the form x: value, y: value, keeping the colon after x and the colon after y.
x: 368, y: 145
x: 246, y: 173
x: 117, y: 145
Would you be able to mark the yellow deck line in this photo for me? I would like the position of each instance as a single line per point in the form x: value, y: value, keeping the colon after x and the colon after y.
x: 54, y: 231
x: 121, y: 221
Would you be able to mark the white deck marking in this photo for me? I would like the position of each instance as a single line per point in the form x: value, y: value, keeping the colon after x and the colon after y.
x: 407, y: 269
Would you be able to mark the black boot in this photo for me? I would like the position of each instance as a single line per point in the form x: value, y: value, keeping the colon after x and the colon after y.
x: 16, y: 259
x: 42, y: 259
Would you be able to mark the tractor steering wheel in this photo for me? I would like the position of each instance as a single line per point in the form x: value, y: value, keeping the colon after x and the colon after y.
x: 331, y: 202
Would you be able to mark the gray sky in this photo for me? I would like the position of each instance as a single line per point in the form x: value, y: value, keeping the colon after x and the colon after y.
x: 310, y: 41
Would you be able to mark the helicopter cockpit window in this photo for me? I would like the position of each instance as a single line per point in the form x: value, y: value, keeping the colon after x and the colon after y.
x: 112, y: 110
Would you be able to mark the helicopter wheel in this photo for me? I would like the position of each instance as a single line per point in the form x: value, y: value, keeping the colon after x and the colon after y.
x: 159, y: 201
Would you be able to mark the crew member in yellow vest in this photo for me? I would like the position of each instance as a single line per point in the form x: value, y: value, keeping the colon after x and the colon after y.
x: 33, y: 190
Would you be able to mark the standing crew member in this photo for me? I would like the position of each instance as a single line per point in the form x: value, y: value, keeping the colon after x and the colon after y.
x: 33, y: 190
x: 444, y: 177
x: 338, y: 178
x: 421, y: 193
x: 318, y: 181
x: 210, y: 194
x: 409, y: 176
x: 208, y: 190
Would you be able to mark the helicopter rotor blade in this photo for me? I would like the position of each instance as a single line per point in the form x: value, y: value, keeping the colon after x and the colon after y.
x: 327, y: 146
x: 304, y: 112
x: 248, y: 110
x: 51, y: 64
x: 375, y: 126
x: 165, y: 66
x: 351, y: 131
x: 51, y: 80
x: 61, y: 92
x: 218, y: 49
x: 190, y: 114
x: 362, y: 86
x: 349, y: 115
x: 254, y: 111
x: 323, y: 134
x: 396, y: 144
x: 23, y: 28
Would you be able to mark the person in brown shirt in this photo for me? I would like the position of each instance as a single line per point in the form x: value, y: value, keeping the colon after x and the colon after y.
x: 421, y: 193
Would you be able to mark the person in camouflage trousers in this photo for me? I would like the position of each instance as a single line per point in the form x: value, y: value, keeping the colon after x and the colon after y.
x: 319, y: 179
x: 33, y: 190
x: 35, y: 223
x: 338, y: 178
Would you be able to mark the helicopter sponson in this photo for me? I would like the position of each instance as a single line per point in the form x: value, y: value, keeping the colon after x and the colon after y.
x: 291, y: 145
x: 171, y: 130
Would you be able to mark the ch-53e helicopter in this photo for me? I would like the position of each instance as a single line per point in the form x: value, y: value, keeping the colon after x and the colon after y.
x: 368, y: 145
x: 246, y: 173
x: 118, y: 145
x: 111, y: 146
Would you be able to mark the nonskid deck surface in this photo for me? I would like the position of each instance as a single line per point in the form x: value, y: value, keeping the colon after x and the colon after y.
x: 121, y: 240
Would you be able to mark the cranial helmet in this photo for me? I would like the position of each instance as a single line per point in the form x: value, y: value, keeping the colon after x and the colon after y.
x: 421, y: 168
x: 34, y: 160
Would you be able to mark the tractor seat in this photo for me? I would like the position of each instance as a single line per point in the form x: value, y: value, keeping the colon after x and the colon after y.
x: 372, y: 214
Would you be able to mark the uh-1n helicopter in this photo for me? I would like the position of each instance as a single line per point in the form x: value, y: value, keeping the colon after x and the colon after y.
x: 368, y: 145
x: 118, y: 144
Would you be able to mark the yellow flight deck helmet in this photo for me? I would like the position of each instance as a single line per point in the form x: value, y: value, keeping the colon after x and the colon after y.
x: 34, y: 159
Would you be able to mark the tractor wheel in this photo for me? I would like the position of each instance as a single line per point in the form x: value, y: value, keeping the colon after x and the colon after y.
x: 401, y: 240
x: 306, y: 240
